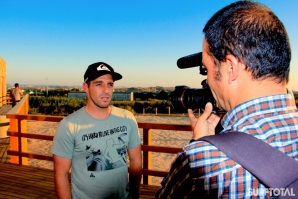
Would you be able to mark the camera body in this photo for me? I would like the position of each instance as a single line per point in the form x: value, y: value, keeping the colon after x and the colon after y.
x: 184, y: 98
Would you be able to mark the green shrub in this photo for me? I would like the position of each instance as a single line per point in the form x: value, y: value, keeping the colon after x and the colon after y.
x: 63, y: 106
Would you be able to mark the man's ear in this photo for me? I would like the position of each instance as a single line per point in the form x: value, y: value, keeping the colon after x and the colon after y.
x: 233, y: 67
x: 85, y: 87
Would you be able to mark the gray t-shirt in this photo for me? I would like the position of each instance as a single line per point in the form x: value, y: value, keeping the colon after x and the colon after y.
x: 98, y: 149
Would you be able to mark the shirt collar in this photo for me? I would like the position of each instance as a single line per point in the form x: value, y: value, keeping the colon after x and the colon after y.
x: 262, y: 105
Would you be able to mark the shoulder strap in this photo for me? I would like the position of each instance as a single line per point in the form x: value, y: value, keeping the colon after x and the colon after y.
x: 272, y: 167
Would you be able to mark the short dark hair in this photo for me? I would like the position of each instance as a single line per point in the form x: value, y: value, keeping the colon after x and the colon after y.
x: 254, y: 35
x: 16, y: 85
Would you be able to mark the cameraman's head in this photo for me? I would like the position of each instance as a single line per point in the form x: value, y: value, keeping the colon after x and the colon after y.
x: 246, y: 52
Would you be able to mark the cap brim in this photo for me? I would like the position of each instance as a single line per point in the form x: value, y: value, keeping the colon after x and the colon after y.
x: 190, y: 61
x: 116, y: 76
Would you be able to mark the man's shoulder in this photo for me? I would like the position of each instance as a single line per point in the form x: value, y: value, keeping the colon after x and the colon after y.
x: 207, y: 160
x: 121, y: 112
x: 75, y: 115
x: 117, y: 109
x: 199, y: 145
x: 202, y: 150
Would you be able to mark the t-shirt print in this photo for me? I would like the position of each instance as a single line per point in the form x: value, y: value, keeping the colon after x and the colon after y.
x: 110, y: 156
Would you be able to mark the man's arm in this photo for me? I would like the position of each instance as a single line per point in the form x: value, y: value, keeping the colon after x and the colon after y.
x: 61, y: 170
x: 178, y: 183
x: 135, y: 170
x: 21, y: 93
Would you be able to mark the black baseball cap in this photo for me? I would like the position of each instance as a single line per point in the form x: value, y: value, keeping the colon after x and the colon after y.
x: 98, y: 69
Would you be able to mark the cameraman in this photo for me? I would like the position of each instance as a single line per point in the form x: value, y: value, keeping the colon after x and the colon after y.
x: 247, y: 54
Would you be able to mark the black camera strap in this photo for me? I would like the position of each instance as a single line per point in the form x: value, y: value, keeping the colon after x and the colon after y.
x: 270, y: 166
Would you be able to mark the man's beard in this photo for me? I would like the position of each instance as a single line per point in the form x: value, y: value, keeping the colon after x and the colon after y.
x: 100, y: 105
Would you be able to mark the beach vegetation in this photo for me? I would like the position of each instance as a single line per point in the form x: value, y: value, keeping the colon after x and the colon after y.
x: 63, y: 106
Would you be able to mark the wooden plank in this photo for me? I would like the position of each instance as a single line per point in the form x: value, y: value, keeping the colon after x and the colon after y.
x: 152, y: 172
x: 4, y: 146
x: 174, y: 127
x: 147, y: 156
x: 161, y: 149
x: 30, y: 135
x: 4, y: 109
x: 30, y: 155
x: 35, y: 117
x: 147, y: 191
x: 26, y: 182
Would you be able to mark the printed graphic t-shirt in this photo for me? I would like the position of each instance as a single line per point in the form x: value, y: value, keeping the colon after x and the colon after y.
x: 98, y: 149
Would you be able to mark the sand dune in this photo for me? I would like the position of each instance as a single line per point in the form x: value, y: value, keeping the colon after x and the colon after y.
x: 161, y: 161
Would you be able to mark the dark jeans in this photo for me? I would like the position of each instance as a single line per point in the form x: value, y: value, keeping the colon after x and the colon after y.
x: 14, y: 103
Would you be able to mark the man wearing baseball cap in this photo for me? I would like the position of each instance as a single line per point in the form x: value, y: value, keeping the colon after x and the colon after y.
x: 94, y: 142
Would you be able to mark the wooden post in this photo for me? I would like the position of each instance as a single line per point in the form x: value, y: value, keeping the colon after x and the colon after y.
x: 2, y: 82
x: 17, y: 143
x: 169, y: 110
x: 147, y: 156
x: 155, y: 111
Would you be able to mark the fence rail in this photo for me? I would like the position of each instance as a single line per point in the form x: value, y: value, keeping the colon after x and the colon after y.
x: 18, y: 131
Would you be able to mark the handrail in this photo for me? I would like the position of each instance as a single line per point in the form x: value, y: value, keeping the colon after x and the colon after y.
x: 6, y: 99
x: 146, y: 147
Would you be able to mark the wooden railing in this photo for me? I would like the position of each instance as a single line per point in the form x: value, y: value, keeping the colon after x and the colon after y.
x: 19, y: 135
x: 6, y: 99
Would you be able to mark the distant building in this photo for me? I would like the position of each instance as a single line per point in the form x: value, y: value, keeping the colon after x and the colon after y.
x: 79, y: 95
x: 123, y: 96
x: 116, y: 95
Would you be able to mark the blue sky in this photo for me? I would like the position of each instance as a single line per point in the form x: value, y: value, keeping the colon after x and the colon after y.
x: 142, y: 40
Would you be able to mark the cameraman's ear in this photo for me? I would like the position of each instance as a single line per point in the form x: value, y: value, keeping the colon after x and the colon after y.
x: 233, y: 67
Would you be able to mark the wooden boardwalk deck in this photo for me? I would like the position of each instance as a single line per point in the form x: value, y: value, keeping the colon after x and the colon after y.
x: 4, y: 146
x: 29, y: 182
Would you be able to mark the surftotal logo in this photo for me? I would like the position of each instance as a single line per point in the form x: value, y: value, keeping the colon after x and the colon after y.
x: 271, y: 191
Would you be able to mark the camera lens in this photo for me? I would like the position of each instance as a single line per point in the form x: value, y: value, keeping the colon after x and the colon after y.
x: 184, y: 97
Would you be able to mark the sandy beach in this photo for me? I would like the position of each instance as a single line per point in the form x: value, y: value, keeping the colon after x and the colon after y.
x: 161, y: 161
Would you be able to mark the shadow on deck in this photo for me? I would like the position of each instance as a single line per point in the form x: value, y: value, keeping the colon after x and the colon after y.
x: 28, y: 182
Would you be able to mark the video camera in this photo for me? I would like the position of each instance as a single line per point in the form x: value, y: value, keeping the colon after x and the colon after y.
x: 184, y: 97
